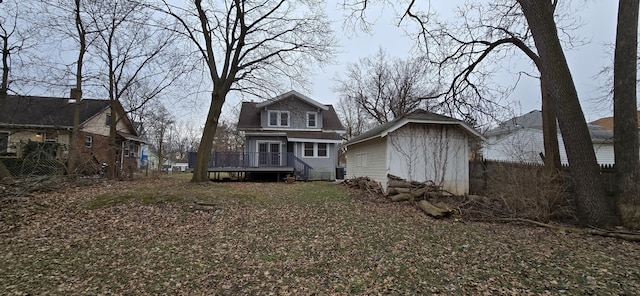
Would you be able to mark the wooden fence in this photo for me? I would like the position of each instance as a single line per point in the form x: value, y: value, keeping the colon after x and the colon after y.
x: 481, y: 172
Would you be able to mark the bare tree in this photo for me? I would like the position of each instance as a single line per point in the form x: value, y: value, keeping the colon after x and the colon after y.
x: 385, y: 88
x: 539, y: 22
x: 355, y: 119
x: 186, y: 138
x: 131, y: 47
x: 160, y: 124
x: 625, y: 107
x: 251, y: 47
x: 592, y: 205
x: 16, y: 36
x: 71, y: 23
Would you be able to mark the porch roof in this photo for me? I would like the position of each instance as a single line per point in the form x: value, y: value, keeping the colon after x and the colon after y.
x: 300, y: 136
x: 131, y: 137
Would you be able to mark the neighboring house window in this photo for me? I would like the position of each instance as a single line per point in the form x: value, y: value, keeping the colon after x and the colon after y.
x: 108, y: 123
x: 51, y: 137
x: 88, y: 141
x: 316, y: 150
x: 361, y: 159
x: 4, y: 142
x: 130, y: 149
x: 278, y: 118
x: 312, y: 119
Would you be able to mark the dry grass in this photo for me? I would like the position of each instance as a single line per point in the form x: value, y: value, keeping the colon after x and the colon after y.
x: 138, y: 238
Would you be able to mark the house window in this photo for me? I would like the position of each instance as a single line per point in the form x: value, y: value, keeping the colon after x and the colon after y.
x: 4, y: 142
x: 316, y: 150
x: 312, y: 119
x: 308, y: 149
x: 88, y: 141
x: 322, y: 150
x: 278, y: 118
x: 108, y: 123
x: 361, y: 159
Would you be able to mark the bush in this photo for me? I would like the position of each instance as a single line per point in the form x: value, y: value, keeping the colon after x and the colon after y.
x: 529, y: 192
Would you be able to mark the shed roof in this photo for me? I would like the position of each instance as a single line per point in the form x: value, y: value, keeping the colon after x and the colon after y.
x: 418, y: 116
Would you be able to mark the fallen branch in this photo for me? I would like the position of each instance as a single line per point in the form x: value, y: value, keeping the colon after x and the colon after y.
x: 634, y: 237
x: 438, y: 211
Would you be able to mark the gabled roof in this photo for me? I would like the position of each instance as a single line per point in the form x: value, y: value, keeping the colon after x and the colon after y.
x: 532, y: 119
x: 292, y: 93
x: 418, y: 116
x: 33, y: 111
x: 249, y: 118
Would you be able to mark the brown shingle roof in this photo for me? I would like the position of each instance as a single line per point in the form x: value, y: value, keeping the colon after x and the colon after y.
x: 607, y: 122
x: 250, y: 117
x: 315, y: 135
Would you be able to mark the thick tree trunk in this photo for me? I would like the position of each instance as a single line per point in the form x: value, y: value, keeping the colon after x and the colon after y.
x: 625, y: 127
x: 4, y: 172
x: 76, y: 94
x: 200, y: 171
x: 549, y: 130
x: 591, y: 203
x: 112, y: 160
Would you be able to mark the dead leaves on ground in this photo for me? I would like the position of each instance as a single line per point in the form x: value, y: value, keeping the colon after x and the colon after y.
x: 286, y: 239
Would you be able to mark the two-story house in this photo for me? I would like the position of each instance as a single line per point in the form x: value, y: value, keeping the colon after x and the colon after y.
x: 292, y: 130
x: 45, y: 123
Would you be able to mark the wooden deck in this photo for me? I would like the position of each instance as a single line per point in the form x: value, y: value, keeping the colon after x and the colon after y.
x: 241, y: 173
x: 243, y: 163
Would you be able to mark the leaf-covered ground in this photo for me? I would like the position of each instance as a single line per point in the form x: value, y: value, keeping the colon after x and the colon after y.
x: 141, y: 238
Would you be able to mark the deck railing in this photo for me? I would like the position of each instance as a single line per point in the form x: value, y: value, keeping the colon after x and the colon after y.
x: 255, y: 160
x: 252, y: 160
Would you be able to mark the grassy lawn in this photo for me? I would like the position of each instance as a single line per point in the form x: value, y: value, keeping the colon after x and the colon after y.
x: 140, y: 237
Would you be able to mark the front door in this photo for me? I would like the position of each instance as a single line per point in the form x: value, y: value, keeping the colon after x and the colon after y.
x: 269, y: 154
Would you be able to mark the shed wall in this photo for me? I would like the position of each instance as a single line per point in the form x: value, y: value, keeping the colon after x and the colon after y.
x: 368, y: 159
x: 431, y: 152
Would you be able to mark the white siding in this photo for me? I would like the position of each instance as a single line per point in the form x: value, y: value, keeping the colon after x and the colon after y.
x: 438, y: 153
x: 525, y: 146
x: 604, y: 153
x: 372, y: 156
x: 98, y: 124
x: 520, y: 146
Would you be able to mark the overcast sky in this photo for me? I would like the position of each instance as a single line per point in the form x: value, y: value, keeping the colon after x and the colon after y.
x: 598, y: 16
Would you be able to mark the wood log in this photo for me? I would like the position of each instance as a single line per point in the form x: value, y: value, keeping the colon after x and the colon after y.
x: 402, y: 197
x: 397, y: 190
x: 398, y: 184
x: 409, y: 195
x: 432, y: 210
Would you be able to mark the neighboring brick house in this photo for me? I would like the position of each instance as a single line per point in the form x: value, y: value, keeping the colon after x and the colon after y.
x: 47, y: 122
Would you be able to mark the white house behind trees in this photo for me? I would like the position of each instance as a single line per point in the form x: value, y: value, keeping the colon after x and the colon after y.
x: 418, y: 146
x: 520, y: 139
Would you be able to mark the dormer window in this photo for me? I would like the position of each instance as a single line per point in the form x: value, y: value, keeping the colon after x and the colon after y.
x: 312, y: 119
x: 279, y: 118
